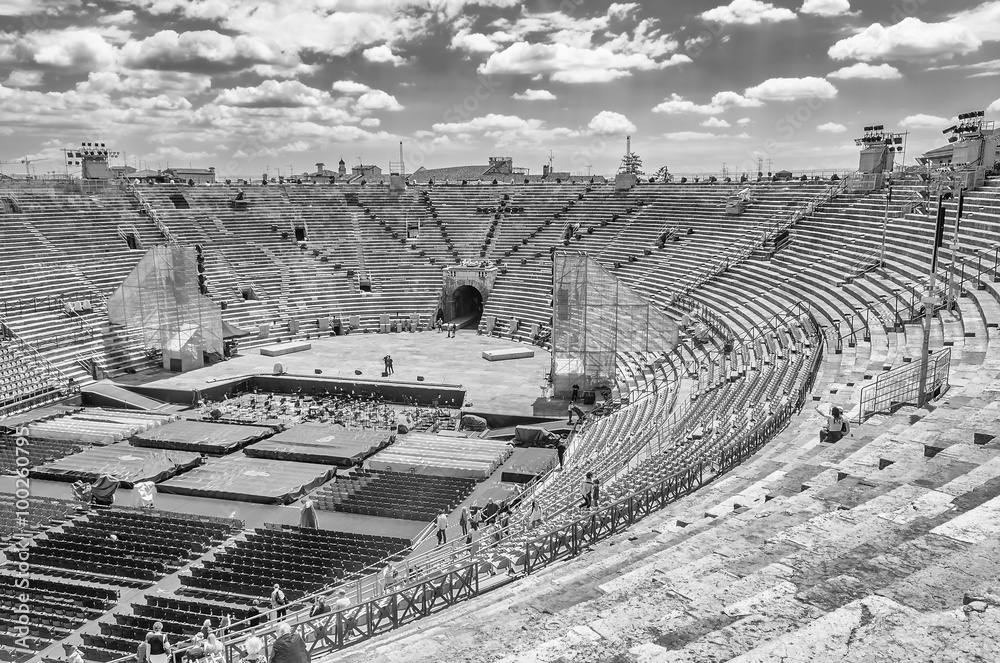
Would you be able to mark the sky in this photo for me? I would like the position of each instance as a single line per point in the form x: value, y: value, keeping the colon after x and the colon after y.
x: 277, y: 86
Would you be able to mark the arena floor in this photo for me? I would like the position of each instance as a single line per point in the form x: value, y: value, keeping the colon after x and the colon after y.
x: 509, y: 387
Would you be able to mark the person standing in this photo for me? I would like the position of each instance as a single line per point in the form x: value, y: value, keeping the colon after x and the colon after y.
x: 596, y: 492
x: 157, y: 645
x: 307, y: 517
x: 576, y: 393
x: 278, y: 602
x: 289, y: 647
x: 534, y: 514
x: 561, y: 452
x: 389, y: 367
x: 587, y: 489
x: 442, y: 528
x: 463, y: 521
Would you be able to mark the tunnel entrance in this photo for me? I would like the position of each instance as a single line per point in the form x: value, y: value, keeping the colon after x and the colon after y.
x: 466, y: 301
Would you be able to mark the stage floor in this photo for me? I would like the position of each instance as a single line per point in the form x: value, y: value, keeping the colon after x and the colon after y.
x: 511, y: 387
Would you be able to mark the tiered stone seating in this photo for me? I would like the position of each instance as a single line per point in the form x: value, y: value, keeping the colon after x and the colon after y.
x: 393, y: 494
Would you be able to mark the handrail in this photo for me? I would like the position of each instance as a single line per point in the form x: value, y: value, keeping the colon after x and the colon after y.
x: 735, y: 255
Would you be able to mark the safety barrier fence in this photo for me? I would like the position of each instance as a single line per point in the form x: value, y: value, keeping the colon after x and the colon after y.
x: 901, y: 385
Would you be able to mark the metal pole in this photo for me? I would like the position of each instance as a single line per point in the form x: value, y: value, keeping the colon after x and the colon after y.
x: 928, y: 302
x: 952, y: 273
x: 885, y: 223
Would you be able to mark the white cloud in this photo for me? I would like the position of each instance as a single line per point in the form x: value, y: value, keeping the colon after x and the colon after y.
x: 273, y: 94
x: 826, y: 7
x: 692, y: 136
x: 982, y: 21
x: 69, y: 50
x: 350, y: 87
x: 622, y: 9
x: 534, y: 95
x: 744, y: 121
x: 922, y: 121
x: 863, y: 70
x: 790, y: 89
x: 732, y: 99
x: 678, y: 105
x: 994, y: 107
x: 34, y: 7
x: 609, y: 123
x: 505, y: 130
x: 124, y: 17
x: 377, y: 100
x: 382, y: 54
x: 202, y: 50
x: 22, y: 78
x: 831, y: 128
x: 371, y: 122
x: 715, y: 123
x: 748, y: 12
x: 570, y: 64
x: 910, y: 39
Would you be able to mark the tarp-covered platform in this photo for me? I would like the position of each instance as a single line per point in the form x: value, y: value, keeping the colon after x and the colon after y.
x: 244, y: 479
x: 124, y: 462
x: 201, y: 436
x: 329, y: 444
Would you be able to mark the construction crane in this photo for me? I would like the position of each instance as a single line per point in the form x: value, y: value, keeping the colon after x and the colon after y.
x: 27, y: 164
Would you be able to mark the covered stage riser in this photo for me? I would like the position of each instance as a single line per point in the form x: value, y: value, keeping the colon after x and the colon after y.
x: 126, y: 463
x: 246, y: 479
x: 322, y: 443
x: 201, y: 436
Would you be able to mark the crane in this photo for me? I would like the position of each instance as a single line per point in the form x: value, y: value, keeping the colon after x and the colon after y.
x: 26, y: 161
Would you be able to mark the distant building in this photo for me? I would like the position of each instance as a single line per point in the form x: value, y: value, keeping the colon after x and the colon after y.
x: 342, y: 169
x: 368, y: 172
x: 123, y: 171
x: 960, y: 152
x: 322, y: 174
x: 499, y: 168
x: 199, y: 175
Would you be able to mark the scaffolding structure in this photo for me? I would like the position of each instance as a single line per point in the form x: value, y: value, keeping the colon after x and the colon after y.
x: 595, y: 316
x: 162, y: 299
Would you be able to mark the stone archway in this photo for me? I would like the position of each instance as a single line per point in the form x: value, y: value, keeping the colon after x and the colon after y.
x: 467, y: 300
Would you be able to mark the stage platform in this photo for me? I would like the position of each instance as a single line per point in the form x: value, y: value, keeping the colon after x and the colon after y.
x: 128, y: 464
x: 489, y: 386
x: 201, y: 436
x: 512, y: 353
x: 244, y: 479
x: 282, y: 349
x: 527, y: 464
x: 329, y: 444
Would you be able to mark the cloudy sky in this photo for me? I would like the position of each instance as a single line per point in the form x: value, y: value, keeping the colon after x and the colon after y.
x: 284, y: 84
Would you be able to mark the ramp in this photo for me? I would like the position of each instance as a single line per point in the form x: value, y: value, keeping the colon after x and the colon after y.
x: 108, y: 394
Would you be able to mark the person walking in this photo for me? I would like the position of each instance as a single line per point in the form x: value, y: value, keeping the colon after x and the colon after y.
x: 534, y: 514
x: 587, y: 490
x: 561, y: 452
x: 279, y: 602
x: 442, y: 528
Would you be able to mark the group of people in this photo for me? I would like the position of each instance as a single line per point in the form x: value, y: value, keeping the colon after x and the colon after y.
x: 590, y: 491
x: 450, y: 327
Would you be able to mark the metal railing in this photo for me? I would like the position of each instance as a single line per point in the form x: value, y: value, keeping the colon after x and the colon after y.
x: 752, y: 242
x: 901, y: 385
